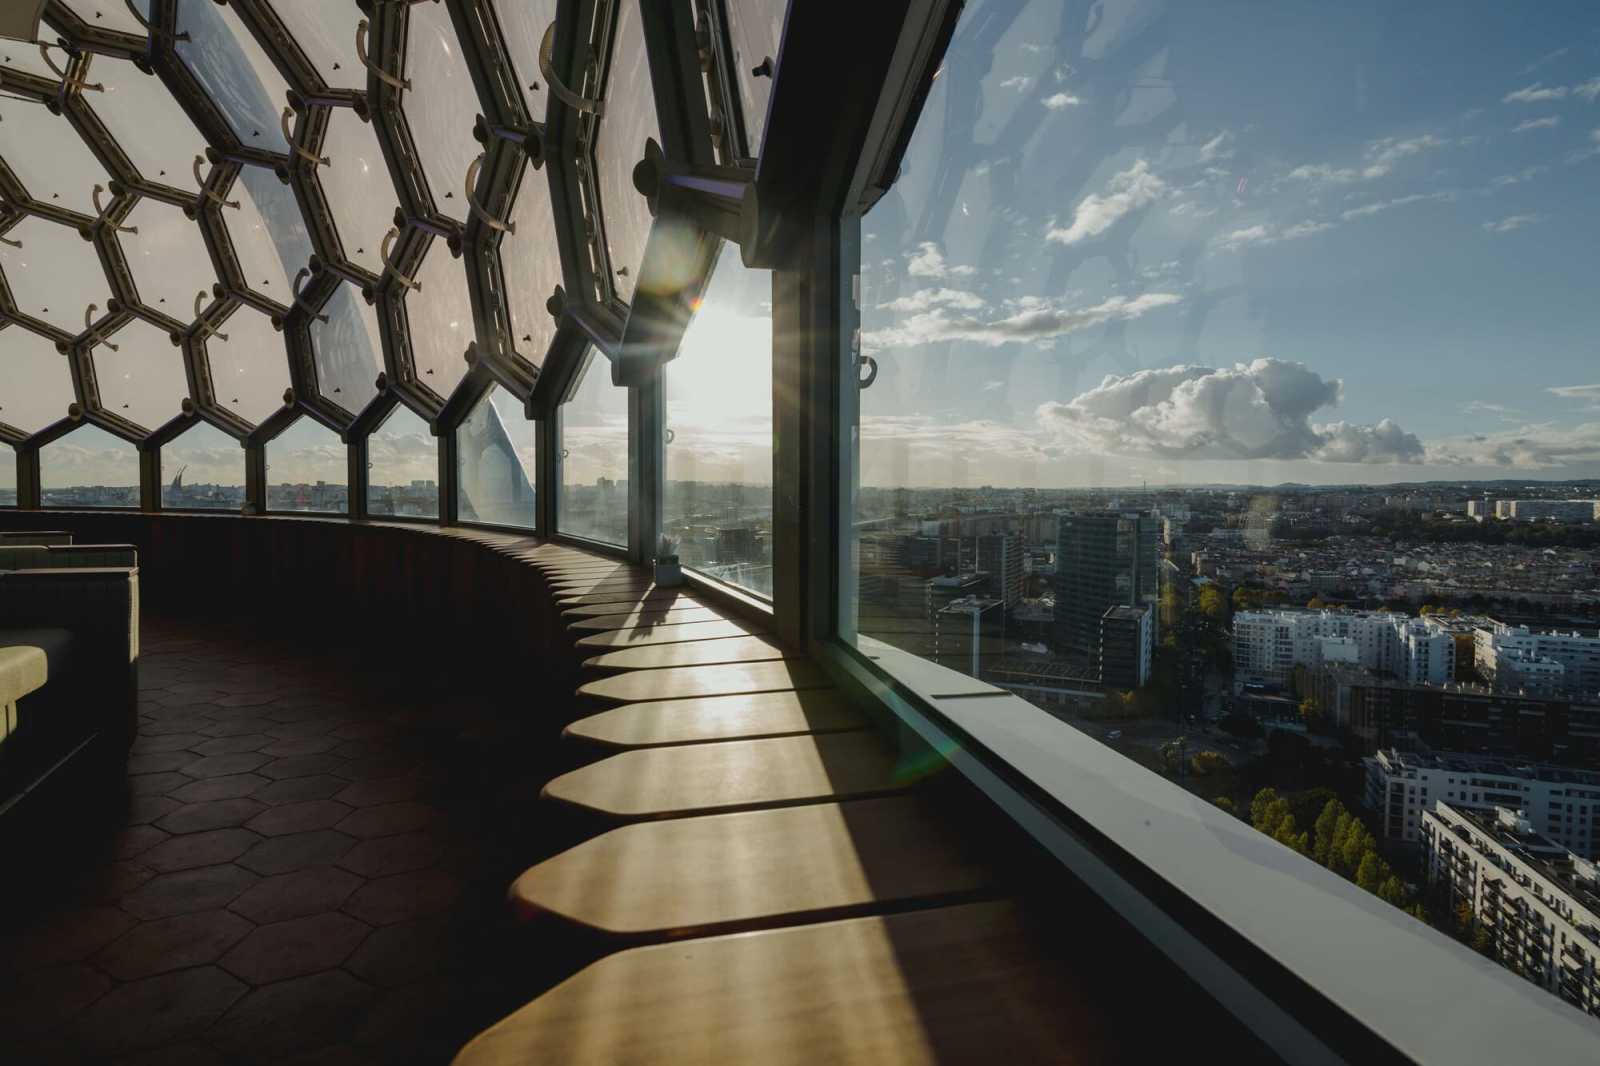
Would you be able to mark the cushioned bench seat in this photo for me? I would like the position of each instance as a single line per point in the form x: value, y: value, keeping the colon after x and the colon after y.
x: 24, y: 668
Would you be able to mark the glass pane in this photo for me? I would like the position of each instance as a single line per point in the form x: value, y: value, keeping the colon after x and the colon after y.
x: 755, y: 28
x: 522, y: 23
x: 55, y: 275
x: 347, y: 349
x: 143, y: 381
x: 203, y: 469
x: 630, y: 121
x: 8, y: 477
x: 108, y: 14
x: 532, y: 265
x: 249, y: 370
x: 89, y: 468
x: 269, y: 234
x: 440, y: 107
x: 168, y: 259
x: 357, y: 188
x: 594, y: 458
x: 440, y: 315
x: 327, y: 35
x: 48, y: 157
x: 308, y: 469
x: 235, y: 72
x: 496, y: 463
x: 717, y: 500
x: 37, y: 381
x: 147, y: 122
x: 24, y: 57
x: 403, y: 468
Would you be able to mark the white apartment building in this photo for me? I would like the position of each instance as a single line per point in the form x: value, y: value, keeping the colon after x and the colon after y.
x: 1268, y: 645
x: 1516, y: 657
x: 1554, y: 510
x: 1539, y: 903
x: 1564, y: 803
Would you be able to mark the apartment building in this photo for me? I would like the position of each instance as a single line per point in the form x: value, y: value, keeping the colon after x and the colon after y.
x: 1516, y: 657
x: 1268, y: 645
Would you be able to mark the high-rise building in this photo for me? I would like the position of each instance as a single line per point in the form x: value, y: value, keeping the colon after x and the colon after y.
x: 1000, y: 556
x: 969, y: 634
x: 1102, y: 561
x: 1127, y: 645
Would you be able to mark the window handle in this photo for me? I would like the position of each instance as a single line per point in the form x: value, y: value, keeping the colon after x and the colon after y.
x: 299, y: 149
x: 299, y: 300
x: 209, y: 193
x: 477, y: 208
x: 384, y: 76
x: 101, y: 211
x: 61, y: 72
x: 206, y: 328
x: 389, y: 268
x: 95, y: 337
x: 576, y: 101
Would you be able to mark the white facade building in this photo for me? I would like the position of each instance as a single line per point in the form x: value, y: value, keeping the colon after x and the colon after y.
x: 1516, y: 657
x: 1539, y: 904
x: 1564, y: 803
x: 1268, y: 645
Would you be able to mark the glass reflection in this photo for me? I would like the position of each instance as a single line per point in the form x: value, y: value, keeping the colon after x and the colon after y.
x: 249, y: 370
x: 147, y: 122
x: 89, y: 468
x: 403, y: 468
x: 497, y: 463
x: 110, y: 14
x: 236, y: 73
x: 441, y: 106
x: 54, y: 275
x: 203, y: 470
x: 269, y: 235
x: 347, y: 349
x: 143, y: 380
x: 717, y: 498
x: 38, y: 381
x: 308, y: 470
x: 594, y: 458
x: 48, y: 157
x: 357, y: 188
x: 168, y: 258
x: 440, y: 316
x: 532, y: 266
x: 522, y: 23
x: 630, y: 120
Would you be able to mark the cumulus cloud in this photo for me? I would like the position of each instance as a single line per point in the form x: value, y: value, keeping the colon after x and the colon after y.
x: 1536, y: 93
x: 1189, y: 207
x: 1263, y: 233
x: 1511, y: 222
x: 923, y: 299
x: 1549, y: 122
x: 1530, y: 446
x: 1031, y: 320
x: 1388, y: 150
x: 1128, y: 191
x: 1381, y: 156
x: 928, y: 262
x: 1256, y: 410
x: 1366, y: 210
x: 1338, y: 175
x: 1060, y: 101
x: 1589, y: 394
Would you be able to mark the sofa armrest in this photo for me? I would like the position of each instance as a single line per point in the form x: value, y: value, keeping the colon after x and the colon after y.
x: 101, y: 603
x: 58, y: 556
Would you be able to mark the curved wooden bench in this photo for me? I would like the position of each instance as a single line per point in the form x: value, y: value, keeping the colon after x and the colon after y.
x: 708, y: 652
x: 633, y: 619
x: 674, y: 634
x: 647, y: 607
x: 718, y: 718
x: 728, y: 679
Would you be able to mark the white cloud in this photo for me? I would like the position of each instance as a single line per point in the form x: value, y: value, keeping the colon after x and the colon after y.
x: 1549, y: 122
x: 1381, y: 154
x: 1511, y: 222
x: 1189, y: 207
x: 1387, y: 150
x: 1338, y: 175
x: 1218, y: 147
x: 1536, y: 93
x: 1589, y: 394
x: 1035, y: 320
x: 1525, y: 174
x: 1385, y: 205
x: 928, y: 262
x: 1268, y: 234
x: 1128, y: 191
x: 1542, y: 60
x: 1256, y: 410
x: 923, y: 299
x: 1529, y: 446
x: 1060, y: 101
x: 1482, y: 407
x: 1589, y: 91
x: 1019, y: 82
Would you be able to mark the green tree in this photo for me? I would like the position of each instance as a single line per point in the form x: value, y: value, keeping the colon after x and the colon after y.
x: 1341, y: 833
x: 1212, y: 605
x: 1463, y: 917
x: 1316, y: 603
x: 1392, y: 891
x: 1259, y: 805
x: 1324, y: 828
x: 1227, y: 804
x: 1311, y: 711
x: 1367, y: 873
x: 1420, y: 913
x: 1358, y: 842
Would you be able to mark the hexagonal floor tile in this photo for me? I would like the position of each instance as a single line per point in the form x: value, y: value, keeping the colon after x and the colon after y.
x: 219, y: 788
x: 294, y: 895
x: 299, y: 817
x: 232, y: 745
x: 403, y: 896
x: 302, y: 766
x: 172, y: 944
x: 199, y: 849
x: 157, y: 1010
x: 391, y: 818
x: 396, y: 854
x: 65, y: 936
x: 237, y: 762
x: 189, y: 890
x: 324, y: 1006
x: 218, y: 814
x: 300, y: 789
x: 295, y: 948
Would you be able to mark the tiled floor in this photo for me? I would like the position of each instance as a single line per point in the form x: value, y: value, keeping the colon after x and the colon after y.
x: 310, y: 868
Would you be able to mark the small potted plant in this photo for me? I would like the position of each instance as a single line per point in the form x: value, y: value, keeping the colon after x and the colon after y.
x: 668, y: 572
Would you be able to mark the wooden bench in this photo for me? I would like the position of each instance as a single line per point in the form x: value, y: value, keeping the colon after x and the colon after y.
x: 727, y: 679
x: 708, y: 652
x: 673, y: 634
x: 636, y: 619
x: 717, y: 718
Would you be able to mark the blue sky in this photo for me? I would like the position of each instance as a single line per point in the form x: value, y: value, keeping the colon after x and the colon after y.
x: 1366, y: 232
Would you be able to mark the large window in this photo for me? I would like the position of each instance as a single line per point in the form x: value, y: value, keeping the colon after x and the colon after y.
x: 308, y: 469
x: 496, y: 463
x: 594, y: 458
x: 403, y: 468
x: 716, y: 502
x: 89, y: 468
x: 202, y: 469
x: 8, y: 477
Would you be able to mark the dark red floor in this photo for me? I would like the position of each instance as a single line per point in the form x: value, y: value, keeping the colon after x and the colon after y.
x: 310, y: 867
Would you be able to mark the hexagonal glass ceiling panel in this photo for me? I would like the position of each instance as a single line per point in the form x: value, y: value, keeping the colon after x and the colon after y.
x: 347, y: 349
x: 38, y: 382
x: 146, y: 120
x: 403, y: 467
x: 629, y: 121
x: 755, y: 27
x: 250, y: 369
x: 109, y: 14
x: 357, y: 187
x: 269, y: 235
x: 24, y: 56
x: 142, y: 379
x: 531, y: 263
x: 203, y: 469
x: 55, y: 275
x: 440, y: 317
x: 326, y: 32
x: 307, y: 469
x: 522, y: 24
x: 48, y: 157
x: 168, y: 258
x: 236, y: 73
x: 89, y: 468
x: 440, y: 106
